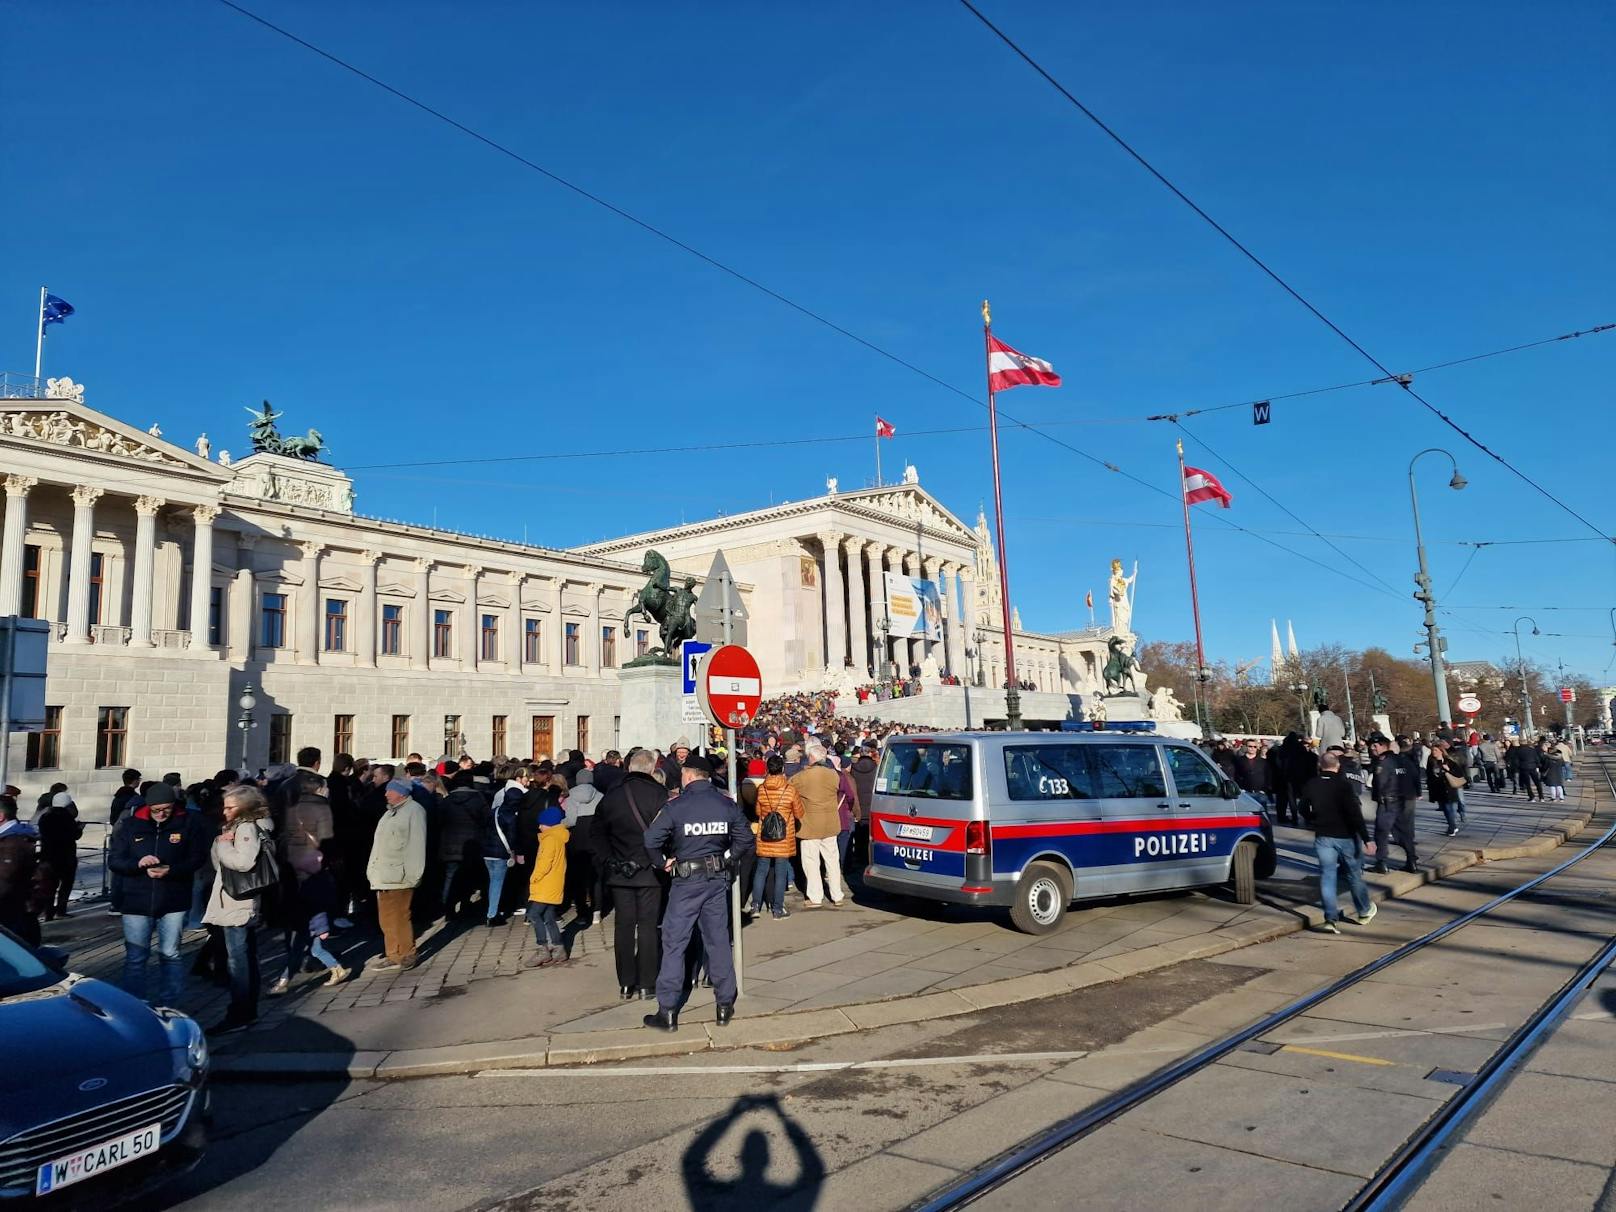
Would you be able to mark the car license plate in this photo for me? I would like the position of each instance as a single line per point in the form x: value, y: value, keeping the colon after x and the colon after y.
x: 918, y: 833
x: 87, y: 1163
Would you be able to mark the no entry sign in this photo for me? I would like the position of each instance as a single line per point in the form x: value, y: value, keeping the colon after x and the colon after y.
x: 1469, y: 704
x: 729, y: 686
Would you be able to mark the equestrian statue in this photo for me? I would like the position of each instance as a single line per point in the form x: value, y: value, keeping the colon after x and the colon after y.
x: 672, y: 610
x: 1120, y: 667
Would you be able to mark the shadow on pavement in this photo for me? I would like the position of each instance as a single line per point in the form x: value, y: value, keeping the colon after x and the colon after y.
x: 796, y: 1182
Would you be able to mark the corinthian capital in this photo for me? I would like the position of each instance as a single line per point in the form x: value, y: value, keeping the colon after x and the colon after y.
x: 18, y: 486
x: 85, y: 495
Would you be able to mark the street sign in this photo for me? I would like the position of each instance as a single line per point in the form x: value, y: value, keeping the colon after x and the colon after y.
x: 1261, y: 412
x: 710, y: 605
x: 690, y: 653
x: 1469, y: 704
x: 729, y: 686
x: 1567, y: 695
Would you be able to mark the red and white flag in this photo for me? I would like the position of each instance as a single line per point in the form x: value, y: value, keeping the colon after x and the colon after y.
x: 1009, y: 368
x: 1204, y: 486
x: 883, y: 429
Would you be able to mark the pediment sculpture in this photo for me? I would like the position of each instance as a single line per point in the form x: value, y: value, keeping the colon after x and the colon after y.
x: 65, y: 429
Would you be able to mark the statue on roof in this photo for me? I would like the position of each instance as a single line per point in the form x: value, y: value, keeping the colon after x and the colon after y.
x: 267, y: 439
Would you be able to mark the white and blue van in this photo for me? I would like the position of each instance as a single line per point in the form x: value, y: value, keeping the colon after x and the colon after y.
x: 1035, y: 820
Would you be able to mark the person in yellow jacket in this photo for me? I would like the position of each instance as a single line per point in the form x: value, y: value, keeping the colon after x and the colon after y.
x: 546, y: 888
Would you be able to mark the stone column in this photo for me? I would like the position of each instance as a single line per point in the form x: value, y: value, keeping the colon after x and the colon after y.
x: 240, y: 630
x: 202, y: 575
x: 140, y: 605
x: 835, y: 604
x: 421, y: 643
x: 471, y: 630
x: 11, y: 547
x: 366, y: 610
x: 78, y: 569
x: 308, y: 604
x: 875, y: 653
x: 858, y: 614
x: 592, y: 636
x: 558, y: 629
x: 513, y: 637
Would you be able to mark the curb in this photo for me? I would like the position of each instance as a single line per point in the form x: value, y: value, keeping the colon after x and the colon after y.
x: 805, y: 1026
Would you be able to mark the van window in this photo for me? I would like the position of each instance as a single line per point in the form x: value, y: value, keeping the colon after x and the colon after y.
x: 1191, y: 773
x: 1127, y: 772
x: 934, y: 772
x: 1047, y: 772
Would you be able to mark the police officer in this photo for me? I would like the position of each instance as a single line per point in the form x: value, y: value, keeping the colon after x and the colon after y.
x: 699, y: 826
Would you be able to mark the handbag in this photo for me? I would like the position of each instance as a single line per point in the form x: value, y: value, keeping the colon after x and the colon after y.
x: 264, y: 875
x: 773, y: 828
x: 1454, y: 780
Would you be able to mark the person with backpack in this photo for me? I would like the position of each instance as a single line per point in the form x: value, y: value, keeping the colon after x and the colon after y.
x: 1395, y: 787
x: 498, y: 829
x: 779, y: 808
x: 243, y: 858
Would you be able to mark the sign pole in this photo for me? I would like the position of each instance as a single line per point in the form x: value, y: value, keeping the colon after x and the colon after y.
x: 737, y: 951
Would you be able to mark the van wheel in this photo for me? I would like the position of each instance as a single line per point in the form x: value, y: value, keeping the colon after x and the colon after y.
x: 1243, y: 873
x: 1042, y: 894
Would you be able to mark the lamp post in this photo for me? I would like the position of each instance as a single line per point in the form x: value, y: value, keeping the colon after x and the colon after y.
x: 1300, y: 689
x: 246, y: 722
x: 1520, y: 661
x: 1433, y: 636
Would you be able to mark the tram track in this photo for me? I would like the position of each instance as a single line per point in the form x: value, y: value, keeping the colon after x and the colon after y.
x: 1401, y: 1174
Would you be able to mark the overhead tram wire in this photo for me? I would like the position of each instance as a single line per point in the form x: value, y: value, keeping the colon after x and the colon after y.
x: 1402, y: 381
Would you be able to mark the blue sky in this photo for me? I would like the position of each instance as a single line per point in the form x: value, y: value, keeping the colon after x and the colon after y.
x: 236, y: 219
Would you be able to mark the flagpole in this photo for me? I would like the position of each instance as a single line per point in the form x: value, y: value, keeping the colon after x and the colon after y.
x: 878, y: 454
x: 1012, y: 693
x: 39, y: 334
x: 1195, y: 599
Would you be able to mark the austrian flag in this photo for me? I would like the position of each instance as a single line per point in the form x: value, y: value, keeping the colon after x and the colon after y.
x: 1009, y: 368
x: 884, y: 428
x: 1204, y: 486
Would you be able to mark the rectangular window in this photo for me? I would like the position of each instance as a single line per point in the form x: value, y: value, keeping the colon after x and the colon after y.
x: 1192, y: 774
x: 496, y: 737
x: 97, y: 564
x: 280, y: 737
x: 532, y: 645
x: 453, y: 742
x: 342, y: 734
x: 336, y: 625
x: 31, y: 563
x: 216, y: 615
x: 1130, y: 772
x: 272, y: 621
x: 400, y: 736
x: 392, y: 630
x: 926, y: 770
x: 111, y: 736
x: 442, y: 633
x: 608, y: 648
x: 45, y: 746
x: 569, y: 654
x: 490, y: 638
x: 1047, y: 772
x: 583, y: 734
x: 642, y: 641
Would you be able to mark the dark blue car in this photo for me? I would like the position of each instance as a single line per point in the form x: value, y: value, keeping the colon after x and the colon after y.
x: 101, y: 1096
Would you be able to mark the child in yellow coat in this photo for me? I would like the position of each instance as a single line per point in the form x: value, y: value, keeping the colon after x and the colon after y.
x: 545, y: 890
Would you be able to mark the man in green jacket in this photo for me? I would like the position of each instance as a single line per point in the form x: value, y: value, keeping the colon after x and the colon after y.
x: 397, y: 862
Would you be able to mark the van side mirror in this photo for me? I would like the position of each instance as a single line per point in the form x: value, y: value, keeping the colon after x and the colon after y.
x: 1231, y: 790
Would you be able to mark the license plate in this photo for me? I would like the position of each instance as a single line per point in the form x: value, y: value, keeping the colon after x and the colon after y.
x: 918, y: 833
x: 87, y: 1163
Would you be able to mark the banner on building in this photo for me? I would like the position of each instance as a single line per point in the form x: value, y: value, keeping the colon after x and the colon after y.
x: 914, y: 607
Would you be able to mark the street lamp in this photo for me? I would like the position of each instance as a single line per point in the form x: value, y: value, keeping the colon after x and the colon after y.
x: 1433, y: 637
x: 1521, y: 663
x: 1300, y: 689
x: 246, y: 722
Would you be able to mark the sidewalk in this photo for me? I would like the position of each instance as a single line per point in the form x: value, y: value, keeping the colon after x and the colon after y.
x: 470, y: 1005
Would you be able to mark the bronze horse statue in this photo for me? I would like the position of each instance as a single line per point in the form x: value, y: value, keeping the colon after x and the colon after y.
x: 1120, y: 667
x: 658, y: 602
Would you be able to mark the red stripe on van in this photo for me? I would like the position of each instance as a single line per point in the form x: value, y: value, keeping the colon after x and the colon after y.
x: 952, y: 842
x: 1142, y: 825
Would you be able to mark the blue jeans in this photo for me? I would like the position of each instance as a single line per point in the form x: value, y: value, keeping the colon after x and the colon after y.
x: 545, y: 931
x: 1448, y: 807
x: 451, y: 868
x: 201, y: 884
x: 842, y: 839
x: 300, y: 942
x: 137, y: 949
x: 777, y: 869
x: 496, y: 884
x: 1334, y: 852
x: 241, y: 953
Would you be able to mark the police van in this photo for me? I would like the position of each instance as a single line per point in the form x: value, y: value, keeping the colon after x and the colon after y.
x: 1036, y: 820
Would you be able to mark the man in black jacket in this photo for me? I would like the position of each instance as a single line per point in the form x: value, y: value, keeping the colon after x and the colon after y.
x: 154, y: 853
x: 625, y: 812
x: 1339, y: 839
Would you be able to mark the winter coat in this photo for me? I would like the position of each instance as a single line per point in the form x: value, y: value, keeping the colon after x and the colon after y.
x: 607, y: 776
x: 1553, y: 769
x: 180, y: 844
x: 1488, y: 752
x: 460, y: 825
x: 1436, y: 786
x: 618, y: 837
x: 1528, y: 760
x: 776, y: 795
x: 18, y: 861
x: 547, y: 884
x: 236, y: 854
x: 308, y: 826
x: 817, y: 787
x: 59, y: 833
x: 398, y: 851
x: 580, y: 804
x: 499, y: 822
x: 1337, y: 811
x: 862, y: 771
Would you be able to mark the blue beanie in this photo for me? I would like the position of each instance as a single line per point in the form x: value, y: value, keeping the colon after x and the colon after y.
x: 400, y: 786
x: 552, y: 816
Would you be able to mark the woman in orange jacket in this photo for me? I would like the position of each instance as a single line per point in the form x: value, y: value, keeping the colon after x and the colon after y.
x: 779, y: 808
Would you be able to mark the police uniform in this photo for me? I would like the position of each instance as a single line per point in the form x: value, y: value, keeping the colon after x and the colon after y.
x: 697, y: 828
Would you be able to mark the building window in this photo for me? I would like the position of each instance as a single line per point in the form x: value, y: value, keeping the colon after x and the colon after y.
x: 272, y: 621
x: 31, y: 558
x: 642, y: 641
x: 608, y: 648
x: 392, y: 630
x: 216, y: 615
x: 442, y: 633
x: 454, y: 743
x: 583, y: 734
x: 342, y: 734
x: 280, y: 738
x: 570, y: 653
x: 98, y: 564
x: 532, y: 648
x: 401, y: 735
x: 496, y: 737
x: 336, y: 625
x: 111, y: 736
x: 490, y: 638
x: 45, y: 746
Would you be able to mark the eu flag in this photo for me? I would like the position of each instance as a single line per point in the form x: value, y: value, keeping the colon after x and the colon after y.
x: 56, y: 310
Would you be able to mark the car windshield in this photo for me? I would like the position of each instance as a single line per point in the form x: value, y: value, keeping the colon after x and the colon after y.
x: 21, y: 971
x: 927, y: 771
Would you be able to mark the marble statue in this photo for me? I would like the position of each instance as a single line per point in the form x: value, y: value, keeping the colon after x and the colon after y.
x: 156, y: 430
x: 1122, y: 598
x: 224, y: 458
x: 1164, y: 705
x: 830, y: 485
x: 203, y: 446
